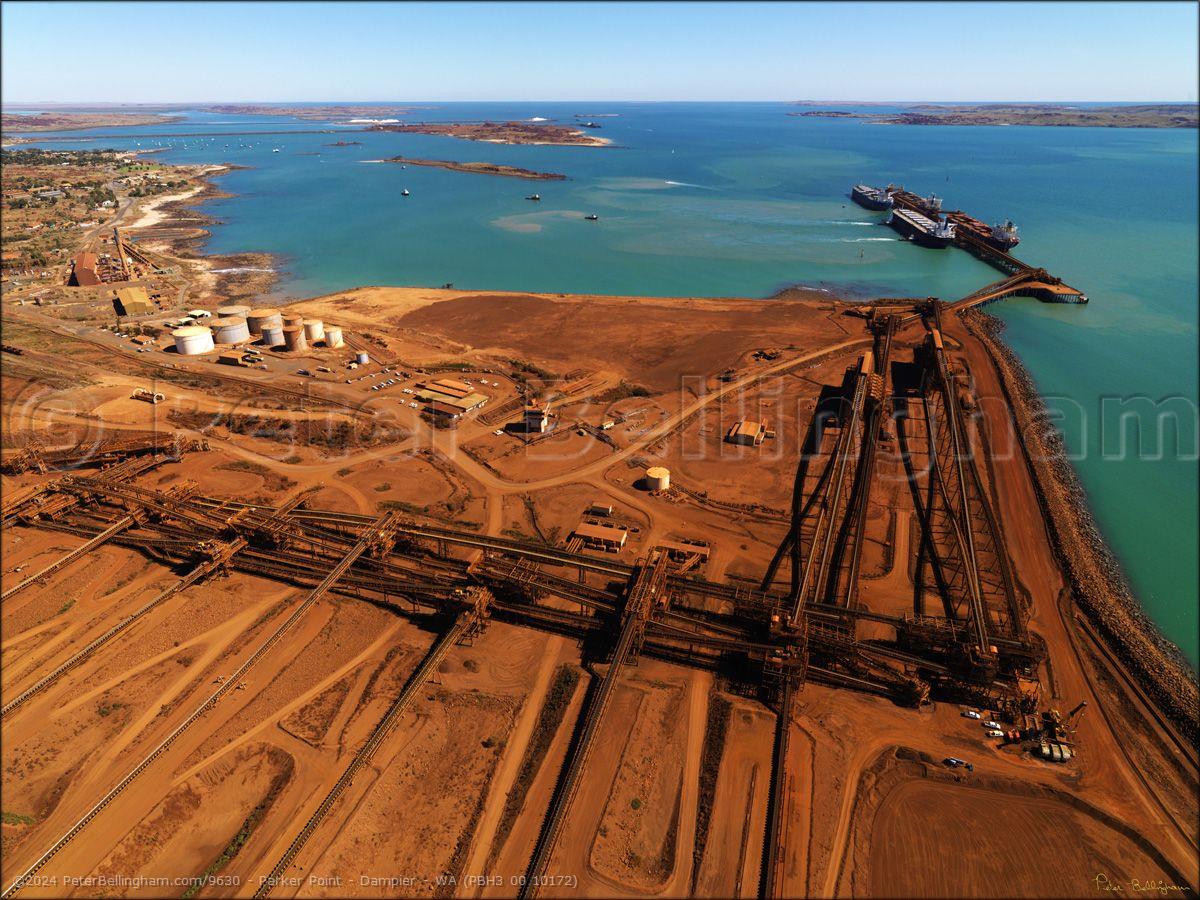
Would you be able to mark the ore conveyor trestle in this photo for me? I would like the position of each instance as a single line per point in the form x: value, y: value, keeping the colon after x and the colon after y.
x: 767, y: 639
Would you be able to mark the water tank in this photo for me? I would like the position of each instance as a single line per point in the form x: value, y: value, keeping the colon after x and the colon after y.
x: 314, y: 330
x: 231, y: 330
x: 258, y: 318
x: 192, y: 339
x: 333, y: 337
x: 658, y: 478
x: 293, y: 337
x: 362, y: 359
x: 230, y: 312
x: 293, y: 320
x: 272, y: 335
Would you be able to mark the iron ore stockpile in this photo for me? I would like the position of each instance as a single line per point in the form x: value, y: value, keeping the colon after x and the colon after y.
x: 242, y: 631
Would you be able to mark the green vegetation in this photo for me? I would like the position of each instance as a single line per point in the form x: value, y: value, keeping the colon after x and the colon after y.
x: 622, y: 391
x: 12, y: 818
x: 523, y: 368
x: 235, y: 845
x: 635, y: 803
x: 716, y: 728
x: 550, y: 717
x: 402, y: 506
x: 66, y: 606
x: 107, y: 709
x: 383, y: 487
x: 344, y: 471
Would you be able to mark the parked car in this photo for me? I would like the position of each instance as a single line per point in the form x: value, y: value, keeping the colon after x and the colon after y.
x: 971, y: 714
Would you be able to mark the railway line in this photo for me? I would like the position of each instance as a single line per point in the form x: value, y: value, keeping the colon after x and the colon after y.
x: 568, y: 785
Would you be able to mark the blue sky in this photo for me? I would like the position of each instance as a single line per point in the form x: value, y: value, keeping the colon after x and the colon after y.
x: 184, y: 52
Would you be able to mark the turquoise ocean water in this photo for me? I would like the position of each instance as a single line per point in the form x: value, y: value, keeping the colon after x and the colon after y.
x: 742, y: 200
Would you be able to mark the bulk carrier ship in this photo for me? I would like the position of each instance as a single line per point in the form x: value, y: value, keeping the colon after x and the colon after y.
x: 871, y: 197
x: 921, y: 229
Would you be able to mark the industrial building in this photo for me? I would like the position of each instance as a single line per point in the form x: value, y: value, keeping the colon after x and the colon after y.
x: 747, y: 433
x: 83, y: 271
x: 536, y: 419
x: 601, y: 537
x: 132, y: 301
x: 231, y: 358
x: 447, y: 397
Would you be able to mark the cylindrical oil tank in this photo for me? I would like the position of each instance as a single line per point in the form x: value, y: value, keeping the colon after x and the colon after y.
x: 314, y: 330
x: 333, y: 337
x: 272, y: 335
x: 658, y: 478
x: 362, y: 359
x: 293, y: 337
x: 192, y: 339
x: 233, y: 311
x: 231, y: 330
x: 258, y: 318
x: 293, y: 320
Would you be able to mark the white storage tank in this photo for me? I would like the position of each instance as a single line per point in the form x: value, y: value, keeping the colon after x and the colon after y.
x: 293, y: 337
x: 232, y: 311
x: 231, y: 330
x: 314, y: 330
x: 193, y: 340
x: 658, y: 478
x: 272, y: 335
x: 257, y: 319
x: 362, y: 359
x: 333, y: 337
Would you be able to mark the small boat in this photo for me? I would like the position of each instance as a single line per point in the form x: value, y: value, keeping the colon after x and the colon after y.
x: 404, y: 193
x: 591, y: 217
x: 276, y: 150
x: 534, y: 197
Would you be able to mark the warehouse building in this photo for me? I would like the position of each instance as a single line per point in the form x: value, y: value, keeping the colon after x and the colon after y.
x: 443, y: 395
x: 747, y: 433
x: 601, y: 537
x: 83, y: 271
x: 133, y: 301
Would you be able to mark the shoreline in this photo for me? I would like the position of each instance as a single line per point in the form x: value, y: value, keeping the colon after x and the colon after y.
x: 1096, y: 583
x: 245, y: 276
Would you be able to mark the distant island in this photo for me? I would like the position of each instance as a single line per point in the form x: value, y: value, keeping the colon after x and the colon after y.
x: 479, y: 168
x: 69, y: 121
x: 313, y: 113
x: 1151, y: 115
x: 502, y: 132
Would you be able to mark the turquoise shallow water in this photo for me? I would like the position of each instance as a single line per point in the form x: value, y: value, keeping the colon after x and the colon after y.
x: 742, y: 199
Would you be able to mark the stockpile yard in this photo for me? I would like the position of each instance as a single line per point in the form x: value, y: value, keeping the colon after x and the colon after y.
x: 415, y: 592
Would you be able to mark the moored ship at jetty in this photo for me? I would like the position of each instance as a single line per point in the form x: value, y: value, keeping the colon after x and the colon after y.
x: 922, y: 230
x: 872, y: 197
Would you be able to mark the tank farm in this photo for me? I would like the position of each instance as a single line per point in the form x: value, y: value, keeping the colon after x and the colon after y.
x: 806, y: 622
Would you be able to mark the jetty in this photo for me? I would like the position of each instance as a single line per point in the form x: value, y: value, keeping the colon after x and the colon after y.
x: 1022, y: 279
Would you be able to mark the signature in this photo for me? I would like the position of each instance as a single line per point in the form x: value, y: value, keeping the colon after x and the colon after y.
x: 1136, y: 886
